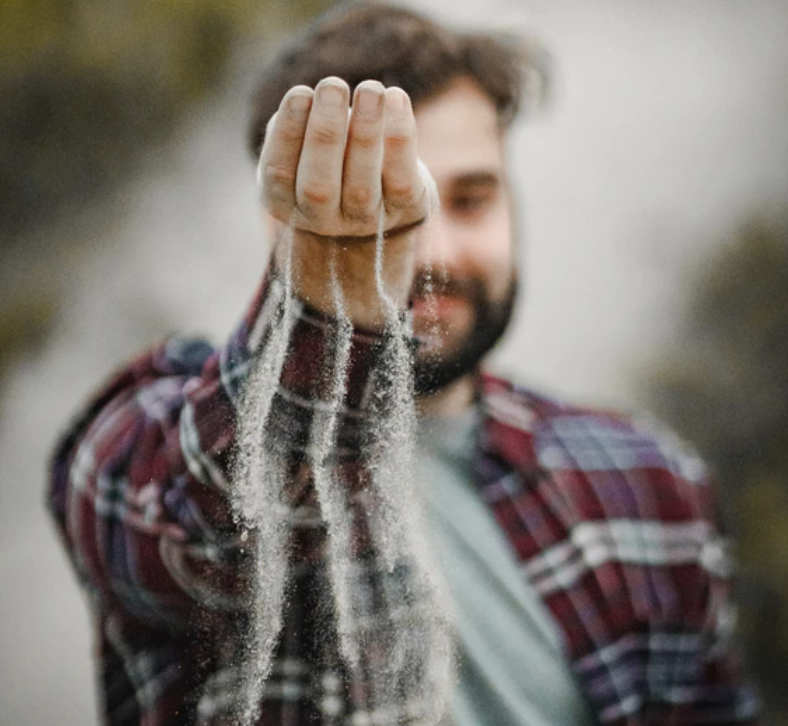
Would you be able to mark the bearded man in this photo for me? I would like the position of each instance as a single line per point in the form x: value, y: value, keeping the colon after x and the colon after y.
x: 588, y: 581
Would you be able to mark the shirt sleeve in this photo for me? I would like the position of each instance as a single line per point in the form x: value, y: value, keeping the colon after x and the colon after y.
x: 139, y: 484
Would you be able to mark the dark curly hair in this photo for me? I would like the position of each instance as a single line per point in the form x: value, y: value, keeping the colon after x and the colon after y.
x: 397, y: 47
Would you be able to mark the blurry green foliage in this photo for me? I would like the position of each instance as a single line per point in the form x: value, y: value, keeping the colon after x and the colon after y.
x: 726, y: 389
x: 87, y: 84
x: 88, y: 88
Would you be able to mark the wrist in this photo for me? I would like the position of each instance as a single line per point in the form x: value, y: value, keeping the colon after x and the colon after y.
x: 354, y: 263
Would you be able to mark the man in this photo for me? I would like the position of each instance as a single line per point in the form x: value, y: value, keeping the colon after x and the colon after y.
x: 588, y: 580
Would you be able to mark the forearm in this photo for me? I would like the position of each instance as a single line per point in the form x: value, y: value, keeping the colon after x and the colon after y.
x: 149, y: 463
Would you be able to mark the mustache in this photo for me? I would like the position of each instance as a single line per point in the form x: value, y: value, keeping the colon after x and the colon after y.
x: 427, y: 282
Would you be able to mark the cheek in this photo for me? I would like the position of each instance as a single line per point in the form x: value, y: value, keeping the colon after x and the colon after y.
x: 495, y: 253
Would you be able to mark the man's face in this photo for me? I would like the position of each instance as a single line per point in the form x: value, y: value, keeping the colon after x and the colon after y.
x: 465, y: 273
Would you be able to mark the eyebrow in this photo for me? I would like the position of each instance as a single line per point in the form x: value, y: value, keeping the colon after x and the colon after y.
x: 477, y: 178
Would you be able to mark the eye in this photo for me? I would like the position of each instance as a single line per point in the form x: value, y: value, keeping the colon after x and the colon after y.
x: 471, y: 202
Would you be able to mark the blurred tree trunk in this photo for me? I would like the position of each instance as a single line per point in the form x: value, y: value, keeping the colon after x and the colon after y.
x: 726, y: 389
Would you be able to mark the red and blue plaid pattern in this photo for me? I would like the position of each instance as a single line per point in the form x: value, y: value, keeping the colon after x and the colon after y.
x: 612, y: 526
x: 612, y: 521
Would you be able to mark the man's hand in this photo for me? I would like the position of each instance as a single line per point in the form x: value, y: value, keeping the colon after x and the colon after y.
x: 331, y: 172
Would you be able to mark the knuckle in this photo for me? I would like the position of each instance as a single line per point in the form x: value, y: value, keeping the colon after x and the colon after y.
x: 279, y: 210
x: 325, y: 135
x: 397, y: 141
x: 358, y: 197
x: 400, y: 194
x: 365, y: 142
x: 275, y: 175
x: 291, y: 134
x: 316, y: 195
x: 358, y: 203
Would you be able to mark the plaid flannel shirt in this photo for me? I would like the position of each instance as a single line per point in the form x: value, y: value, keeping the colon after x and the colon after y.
x: 611, y: 525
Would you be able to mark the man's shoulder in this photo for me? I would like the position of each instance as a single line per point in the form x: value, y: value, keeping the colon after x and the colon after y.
x: 616, y: 464
x: 612, y: 518
x: 583, y: 492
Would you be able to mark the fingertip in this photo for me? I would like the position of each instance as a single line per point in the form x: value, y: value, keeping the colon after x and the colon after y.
x: 368, y: 97
x: 396, y: 98
x: 370, y: 84
x: 334, y: 85
x: 334, y: 80
x: 298, y: 99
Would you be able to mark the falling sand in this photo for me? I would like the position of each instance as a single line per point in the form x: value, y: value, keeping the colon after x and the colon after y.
x: 406, y: 620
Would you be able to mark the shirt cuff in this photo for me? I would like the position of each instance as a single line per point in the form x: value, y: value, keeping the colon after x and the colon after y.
x: 307, y: 378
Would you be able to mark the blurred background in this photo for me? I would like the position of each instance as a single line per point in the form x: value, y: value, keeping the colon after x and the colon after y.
x: 654, y: 200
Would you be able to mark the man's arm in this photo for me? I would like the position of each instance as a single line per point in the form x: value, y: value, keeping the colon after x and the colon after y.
x: 140, y: 485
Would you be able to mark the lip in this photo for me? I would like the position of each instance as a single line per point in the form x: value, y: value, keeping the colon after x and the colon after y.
x: 437, y: 305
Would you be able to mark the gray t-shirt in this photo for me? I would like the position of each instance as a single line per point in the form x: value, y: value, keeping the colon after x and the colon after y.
x: 511, y: 668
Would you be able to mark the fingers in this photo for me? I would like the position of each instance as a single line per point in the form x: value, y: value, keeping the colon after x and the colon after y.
x: 361, y: 181
x: 282, y: 149
x: 319, y: 173
x: 336, y: 171
x: 402, y: 186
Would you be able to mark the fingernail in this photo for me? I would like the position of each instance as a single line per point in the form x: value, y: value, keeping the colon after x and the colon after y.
x: 368, y: 99
x: 299, y: 102
x: 330, y: 94
x: 398, y: 98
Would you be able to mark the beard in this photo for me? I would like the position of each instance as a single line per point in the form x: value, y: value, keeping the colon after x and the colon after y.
x: 434, y: 370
